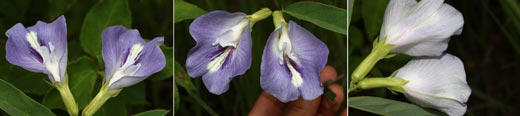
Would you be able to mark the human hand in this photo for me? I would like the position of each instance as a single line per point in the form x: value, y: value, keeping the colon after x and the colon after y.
x: 268, y: 105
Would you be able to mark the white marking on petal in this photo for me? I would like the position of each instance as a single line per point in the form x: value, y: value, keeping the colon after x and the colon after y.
x: 129, y: 67
x: 217, y: 62
x: 49, y: 57
x: 232, y: 36
x: 32, y: 38
x: 296, y: 78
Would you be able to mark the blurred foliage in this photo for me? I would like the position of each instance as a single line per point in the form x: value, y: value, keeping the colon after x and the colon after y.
x: 86, y: 19
x: 244, y: 89
x: 489, y: 47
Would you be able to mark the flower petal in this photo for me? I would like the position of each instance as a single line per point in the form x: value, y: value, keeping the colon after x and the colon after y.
x: 18, y: 51
x: 237, y: 63
x: 205, y: 30
x: 409, y: 24
x: 313, y: 54
x: 438, y: 82
x: 275, y: 78
x: 152, y: 58
x: 117, y: 41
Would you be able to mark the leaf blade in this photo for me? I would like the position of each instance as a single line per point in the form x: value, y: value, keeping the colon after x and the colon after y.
x: 326, y: 16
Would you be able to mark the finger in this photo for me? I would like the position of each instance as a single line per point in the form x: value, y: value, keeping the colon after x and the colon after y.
x: 302, y: 107
x: 328, y: 107
x: 267, y: 105
x: 328, y: 73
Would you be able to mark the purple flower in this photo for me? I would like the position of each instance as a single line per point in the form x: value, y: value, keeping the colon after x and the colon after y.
x: 291, y: 63
x: 128, y: 58
x: 223, y: 48
x: 39, y: 48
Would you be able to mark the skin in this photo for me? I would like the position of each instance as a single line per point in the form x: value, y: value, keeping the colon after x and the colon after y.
x: 268, y: 105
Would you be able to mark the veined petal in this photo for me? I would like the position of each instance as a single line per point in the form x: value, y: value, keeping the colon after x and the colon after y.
x: 313, y: 54
x: 236, y: 62
x: 420, y: 29
x: 128, y: 59
x: 290, y: 68
x: 40, y: 48
x: 275, y: 78
x: 438, y: 82
x: 206, y: 30
x: 19, y: 52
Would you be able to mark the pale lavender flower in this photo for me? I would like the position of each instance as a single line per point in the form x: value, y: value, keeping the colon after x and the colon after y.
x: 128, y: 58
x: 291, y: 63
x: 39, y: 48
x: 223, y: 49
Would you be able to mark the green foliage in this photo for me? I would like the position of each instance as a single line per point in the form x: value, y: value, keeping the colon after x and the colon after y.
x: 372, y: 13
x: 104, y: 14
x: 157, y: 112
x: 387, y: 107
x: 323, y: 15
x: 15, y: 102
x: 185, y: 10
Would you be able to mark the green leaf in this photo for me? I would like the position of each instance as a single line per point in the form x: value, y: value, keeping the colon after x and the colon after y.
x: 156, y: 112
x: 372, y: 12
x: 167, y: 72
x: 350, y: 7
x: 388, y: 107
x: 104, y: 14
x: 323, y: 15
x: 184, y: 10
x: 59, y: 7
x: 176, y: 97
x: 82, y: 78
x: 16, y: 103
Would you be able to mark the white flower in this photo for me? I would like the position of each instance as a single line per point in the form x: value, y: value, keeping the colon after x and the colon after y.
x: 420, y: 29
x: 438, y: 83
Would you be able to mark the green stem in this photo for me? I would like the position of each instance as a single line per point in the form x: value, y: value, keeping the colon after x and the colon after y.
x: 379, y: 51
x: 278, y: 18
x: 103, y: 95
x: 67, y: 97
x: 259, y: 15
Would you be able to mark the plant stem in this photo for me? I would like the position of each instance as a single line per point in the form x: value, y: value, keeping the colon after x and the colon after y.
x: 379, y: 51
x: 67, y: 97
x: 103, y: 95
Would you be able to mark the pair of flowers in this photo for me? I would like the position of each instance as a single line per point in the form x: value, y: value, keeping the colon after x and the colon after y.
x: 43, y: 48
x: 291, y: 61
x: 432, y: 79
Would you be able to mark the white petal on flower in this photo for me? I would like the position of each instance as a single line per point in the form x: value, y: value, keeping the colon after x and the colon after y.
x: 408, y: 23
x: 232, y: 36
x: 286, y: 54
x: 32, y: 38
x: 215, y: 64
x: 438, y: 82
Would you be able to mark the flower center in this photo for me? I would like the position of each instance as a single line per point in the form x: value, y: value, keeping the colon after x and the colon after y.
x: 232, y: 36
x: 288, y: 55
x: 217, y: 62
x: 49, y: 58
x: 130, y: 65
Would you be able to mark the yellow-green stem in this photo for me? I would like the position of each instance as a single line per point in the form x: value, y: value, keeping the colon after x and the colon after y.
x: 278, y: 18
x: 103, y: 95
x: 67, y: 97
x: 379, y: 51
x: 259, y: 15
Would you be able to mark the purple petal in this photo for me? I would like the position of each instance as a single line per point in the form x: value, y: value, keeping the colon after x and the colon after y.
x: 110, y: 38
x: 313, y: 54
x: 275, y: 78
x: 117, y: 42
x: 237, y: 63
x: 152, y: 58
x: 19, y: 52
x: 308, y: 47
x: 206, y: 28
x: 205, y: 31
